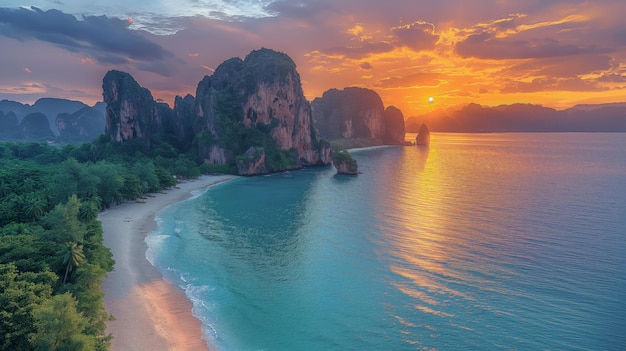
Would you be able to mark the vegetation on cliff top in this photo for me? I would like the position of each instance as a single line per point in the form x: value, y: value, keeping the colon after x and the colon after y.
x: 344, y: 163
x: 226, y: 91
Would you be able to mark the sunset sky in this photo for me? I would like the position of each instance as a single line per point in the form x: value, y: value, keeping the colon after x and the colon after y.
x: 552, y: 52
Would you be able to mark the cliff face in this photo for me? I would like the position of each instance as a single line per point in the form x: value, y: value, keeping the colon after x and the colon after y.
x: 250, y: 110
x: 252, y: 162
x: 423, y: 137
x: 131, y: 110
x: 357, y: 113
x: 394, y: 124
x: 52, y: 107
x: 349, y: 113
x: 35, y: 127
x: 257, y: 102
x: 345, y: 164
x: 9, y: 126
x: 83, y: 125
x: 183, y: 121
x: 80, y: 122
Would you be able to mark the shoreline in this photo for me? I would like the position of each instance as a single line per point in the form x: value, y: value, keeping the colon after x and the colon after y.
x: 150, y: 313
x: 365, y: 148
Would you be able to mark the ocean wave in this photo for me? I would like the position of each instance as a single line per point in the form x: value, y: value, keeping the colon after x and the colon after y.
x: 155, y: 243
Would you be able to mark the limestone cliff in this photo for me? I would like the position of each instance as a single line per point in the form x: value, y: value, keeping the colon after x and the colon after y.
x: 131, y: 110
x: 394, y: 125
x: 349, y: 113
x: 250, y: 110
x: 183, y: 121
x: 252, y: 162
x: 83, y: 125
x: 345, y: 164
x: 257, y: 102
x: 35, y: 127
x: 9, y: 126
x: 52, y: 107
x: 423, y: 137
x: 79, y: 120
x: 357, y: 113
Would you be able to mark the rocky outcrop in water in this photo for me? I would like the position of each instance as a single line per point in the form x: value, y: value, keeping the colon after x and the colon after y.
x: 357, y: 114
x: 344, y: 163
x: 423, y: 137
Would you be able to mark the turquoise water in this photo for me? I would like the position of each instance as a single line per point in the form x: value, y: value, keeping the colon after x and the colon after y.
x: 479, y: 242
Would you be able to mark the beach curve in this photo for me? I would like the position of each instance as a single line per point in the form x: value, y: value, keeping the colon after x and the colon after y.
x: 150, y: 314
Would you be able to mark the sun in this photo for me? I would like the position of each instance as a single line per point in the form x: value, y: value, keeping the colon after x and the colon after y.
x: 431, y: 99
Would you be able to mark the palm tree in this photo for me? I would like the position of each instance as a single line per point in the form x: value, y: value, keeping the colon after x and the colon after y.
x: 89, y: 209
x: 73, y: 257
x: 34, y: 206
x: 5, y: 189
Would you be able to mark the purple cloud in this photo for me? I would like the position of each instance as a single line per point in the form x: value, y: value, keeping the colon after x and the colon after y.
x: 486, y: 46
x: 108, y: 40
x: 417, y: 36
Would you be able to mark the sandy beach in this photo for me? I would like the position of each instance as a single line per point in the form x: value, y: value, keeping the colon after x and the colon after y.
x: 150, y: 314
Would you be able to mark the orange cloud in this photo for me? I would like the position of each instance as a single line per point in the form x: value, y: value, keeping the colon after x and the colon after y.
x: 552, y: 58
x: 413, y: 80
x: 555, y: 53
x: 87, y: 60
x: 358, y: 31
x: 418, y: 36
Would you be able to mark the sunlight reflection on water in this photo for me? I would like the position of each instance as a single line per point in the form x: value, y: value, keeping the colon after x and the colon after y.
x: 485, y: 241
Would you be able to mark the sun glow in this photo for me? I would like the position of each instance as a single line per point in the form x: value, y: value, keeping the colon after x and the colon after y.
x: 431, y: 99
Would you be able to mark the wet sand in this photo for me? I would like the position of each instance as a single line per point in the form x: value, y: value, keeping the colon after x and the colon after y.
x: 150, y: 314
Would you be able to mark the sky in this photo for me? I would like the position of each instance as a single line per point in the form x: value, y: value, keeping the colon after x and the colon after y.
x: 556, y: 53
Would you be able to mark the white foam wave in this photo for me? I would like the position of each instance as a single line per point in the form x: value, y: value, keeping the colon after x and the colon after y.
x: 203, y: 310
x: 154, y: 242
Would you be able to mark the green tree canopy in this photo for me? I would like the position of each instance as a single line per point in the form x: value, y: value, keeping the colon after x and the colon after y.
x: 20, y: 293
x: 62, y: 222
x: 59, y: 326
x: 73, y: 257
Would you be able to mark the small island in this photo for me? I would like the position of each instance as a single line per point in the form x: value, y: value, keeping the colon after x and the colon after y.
x: 423, y: 137
x: 344, y: 163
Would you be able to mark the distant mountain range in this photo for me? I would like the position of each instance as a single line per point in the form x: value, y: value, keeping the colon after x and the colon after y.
x: 474, y: 118
x: 51, y: 119
x: 71, y: 121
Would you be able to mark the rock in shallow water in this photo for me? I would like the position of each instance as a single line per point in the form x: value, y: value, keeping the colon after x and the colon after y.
x: 345, y: 164
x: 423, y: 137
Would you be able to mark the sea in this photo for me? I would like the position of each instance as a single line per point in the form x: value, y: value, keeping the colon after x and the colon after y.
x: 503, y: 241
